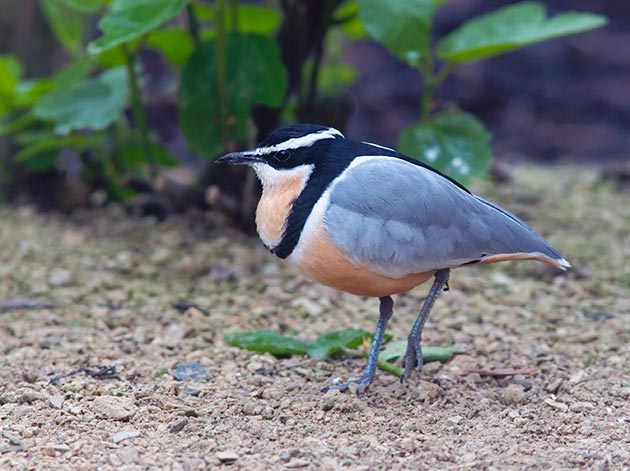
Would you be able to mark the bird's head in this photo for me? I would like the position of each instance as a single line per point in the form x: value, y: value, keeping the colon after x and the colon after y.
x: 288, y: 149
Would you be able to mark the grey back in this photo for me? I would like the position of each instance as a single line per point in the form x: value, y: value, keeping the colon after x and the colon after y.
x: 399, y: 218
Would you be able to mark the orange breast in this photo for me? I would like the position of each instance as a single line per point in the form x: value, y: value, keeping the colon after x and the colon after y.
x: 322, y: 261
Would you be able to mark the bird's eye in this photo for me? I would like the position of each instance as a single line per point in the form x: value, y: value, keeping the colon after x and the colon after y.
x: 282, y: 156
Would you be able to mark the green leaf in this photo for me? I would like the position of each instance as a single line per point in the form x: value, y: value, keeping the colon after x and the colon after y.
x: 454, y: 142
x: 28, y: 92
x: 129, y: 19
x: 347, y: 16
x: 511, y: 27
x: 335, y: 342
x: 93, y: 103
x: 251, y: 18
x: 397, y: 349
x: 48, y: 142
x: 10, y: 72
x: 402, y: 26
x: 254, y: 75
x: 175, y: 45
x: 267, y: 341
x: 67, y: 24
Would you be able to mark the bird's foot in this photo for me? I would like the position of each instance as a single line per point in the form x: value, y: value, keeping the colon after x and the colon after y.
x: 413, y: 356
x: 362, y: 384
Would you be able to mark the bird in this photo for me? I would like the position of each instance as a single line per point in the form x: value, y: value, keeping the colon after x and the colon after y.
x: 368, y: 220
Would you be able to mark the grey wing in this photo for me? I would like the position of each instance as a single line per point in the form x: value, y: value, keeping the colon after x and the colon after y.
x: 399, y: 218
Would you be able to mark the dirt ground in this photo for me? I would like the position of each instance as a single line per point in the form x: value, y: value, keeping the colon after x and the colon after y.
x: 114, y: 280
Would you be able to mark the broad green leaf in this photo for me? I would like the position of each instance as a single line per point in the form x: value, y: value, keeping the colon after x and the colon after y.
x: 93, y: 103
x: 72, y: 74
x: 335, y: 342
x: 130, y: 151
x: 175, y: 45
x: 511, y: 27
x: 67, y: 24
x: 454, y: 142
x: 254, y: 75
x: 251, y: 18
x: 397, y: 349
x: 130, y: 19
x: 10, y: 72
x: 266, y: 341
x: 402, y: 26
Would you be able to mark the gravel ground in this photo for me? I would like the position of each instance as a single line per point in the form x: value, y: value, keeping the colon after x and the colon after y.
x: 113, y: 282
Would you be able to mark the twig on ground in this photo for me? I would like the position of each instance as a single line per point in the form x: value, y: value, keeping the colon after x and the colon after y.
x: 19, y: 303
x: 103, y: 372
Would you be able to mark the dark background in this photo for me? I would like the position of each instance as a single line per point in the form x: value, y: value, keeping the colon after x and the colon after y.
x: 563, y: 100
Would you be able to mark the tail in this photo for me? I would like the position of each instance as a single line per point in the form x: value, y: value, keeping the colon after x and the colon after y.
x: 518, y: 241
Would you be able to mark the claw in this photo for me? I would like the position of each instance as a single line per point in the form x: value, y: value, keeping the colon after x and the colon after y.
x: 362, y: 383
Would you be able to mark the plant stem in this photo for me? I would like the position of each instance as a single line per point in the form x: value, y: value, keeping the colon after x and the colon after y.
x: 193, y: 24
x: 138, y: 111
x: 234, y: 6
x: 382, y: 364
x: 222, y: 71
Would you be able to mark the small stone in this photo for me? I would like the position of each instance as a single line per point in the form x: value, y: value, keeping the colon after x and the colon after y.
x: 581, y: 407
x: 61, y: 448
x: 578, y: 377
x: 514, y: 394
x: 60, y: 277
x: 454, y: 421
x: 554, y: 386
x: 226, y: 456
x: 56, y: 401
x: 114, y: 408
x: 191, y: 372
x: 328, y: 403
x: 125, y: 435
x: 49, y: 451
x: 297, y: 463
x: 178, y: 426
x: 562, y: 407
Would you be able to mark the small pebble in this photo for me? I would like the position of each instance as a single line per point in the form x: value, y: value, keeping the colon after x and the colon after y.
x: 226, y: 456
x: 114, y: 408
x: 56, y: 401
x: 178, y: 426
x: 454, y: 421
x: 191, y: 372
x: 124, y: 435
x: 562, y: 407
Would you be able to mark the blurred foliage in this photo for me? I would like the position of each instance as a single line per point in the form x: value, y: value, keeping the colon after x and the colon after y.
x: 240, y: 70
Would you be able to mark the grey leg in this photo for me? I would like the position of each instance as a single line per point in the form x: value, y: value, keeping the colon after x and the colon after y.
x: 386, y: 311
x: 414, y: 350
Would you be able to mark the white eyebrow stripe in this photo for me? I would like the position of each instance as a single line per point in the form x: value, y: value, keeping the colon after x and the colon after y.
x: 297, y: 142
